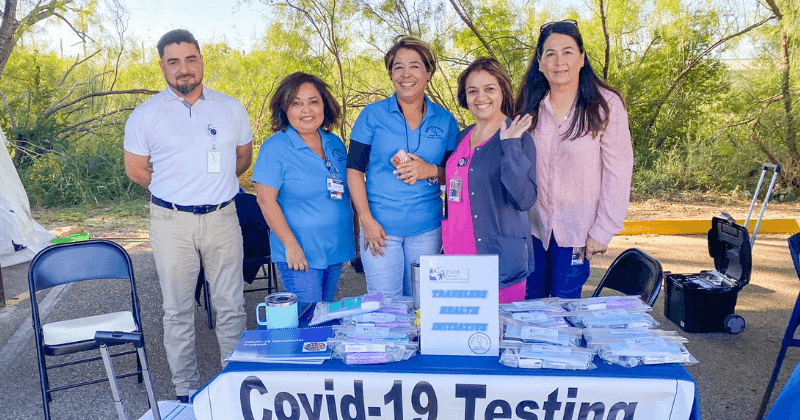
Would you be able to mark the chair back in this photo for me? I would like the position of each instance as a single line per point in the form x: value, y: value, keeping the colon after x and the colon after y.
x: 255, y: 231
x: 794, y: 249
x: 78, y: 261
x: 634, y: 272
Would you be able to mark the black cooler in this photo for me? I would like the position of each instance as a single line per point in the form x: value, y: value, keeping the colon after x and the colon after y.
x: 705, y: 301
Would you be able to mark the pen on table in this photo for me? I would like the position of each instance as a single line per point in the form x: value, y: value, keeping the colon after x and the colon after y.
x: 308, y: 306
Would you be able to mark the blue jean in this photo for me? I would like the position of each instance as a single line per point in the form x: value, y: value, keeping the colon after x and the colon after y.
x: 313, y: 285
x: 390, y: 274
x: 553, y: 272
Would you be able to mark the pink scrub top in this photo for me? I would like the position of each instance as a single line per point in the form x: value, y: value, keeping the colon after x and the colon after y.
x: 458, y: 231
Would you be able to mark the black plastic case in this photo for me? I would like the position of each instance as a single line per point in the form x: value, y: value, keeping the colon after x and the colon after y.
x: 698, y: 309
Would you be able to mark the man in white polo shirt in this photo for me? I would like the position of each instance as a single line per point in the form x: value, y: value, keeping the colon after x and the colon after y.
x: 198, y: 141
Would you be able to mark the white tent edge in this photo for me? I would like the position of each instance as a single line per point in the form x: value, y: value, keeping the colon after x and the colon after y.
x: 21, y: 238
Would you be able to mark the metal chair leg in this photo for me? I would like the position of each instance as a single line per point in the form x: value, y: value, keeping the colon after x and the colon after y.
x: 112, y: 380
x: 207, y: 298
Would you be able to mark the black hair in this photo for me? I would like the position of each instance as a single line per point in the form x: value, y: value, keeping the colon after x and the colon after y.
x: 176, y: 36
x: 589, y: 100
x: 286, y: 92
x: 493, y: 67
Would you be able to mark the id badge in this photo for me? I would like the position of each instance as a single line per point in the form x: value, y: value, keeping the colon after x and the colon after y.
x: 335, y: 187
x: 454, y: 189
x: 578, y: 254
x: 214, y: 161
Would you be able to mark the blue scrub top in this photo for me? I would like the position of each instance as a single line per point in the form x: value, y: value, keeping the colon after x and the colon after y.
x: 323, y: 226
x: 402, y: 209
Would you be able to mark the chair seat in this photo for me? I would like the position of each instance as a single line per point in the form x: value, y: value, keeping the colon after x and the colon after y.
x: 81, y: 329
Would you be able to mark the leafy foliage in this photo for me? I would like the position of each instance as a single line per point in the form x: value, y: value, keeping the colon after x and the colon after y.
x: 698, y: 121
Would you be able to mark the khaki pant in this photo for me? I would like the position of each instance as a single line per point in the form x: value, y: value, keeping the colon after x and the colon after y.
x: 180, y: 241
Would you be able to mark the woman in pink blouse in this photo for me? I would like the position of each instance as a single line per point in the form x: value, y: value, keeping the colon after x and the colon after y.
x: 584, y: 161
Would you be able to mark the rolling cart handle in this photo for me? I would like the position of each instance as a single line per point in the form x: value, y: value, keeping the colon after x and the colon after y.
x: 776, y: 170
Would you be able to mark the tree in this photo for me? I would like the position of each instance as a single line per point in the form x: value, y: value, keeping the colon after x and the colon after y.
x: 14, y: 26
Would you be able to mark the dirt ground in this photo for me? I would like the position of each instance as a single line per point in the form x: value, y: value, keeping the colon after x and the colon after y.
x: 99, y: 224
x: 665, y: 210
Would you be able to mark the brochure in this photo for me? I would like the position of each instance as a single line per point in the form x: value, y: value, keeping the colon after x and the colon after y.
x: 285, y: 345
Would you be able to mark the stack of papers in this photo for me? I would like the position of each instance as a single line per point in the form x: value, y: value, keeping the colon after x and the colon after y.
x: 286, y: 345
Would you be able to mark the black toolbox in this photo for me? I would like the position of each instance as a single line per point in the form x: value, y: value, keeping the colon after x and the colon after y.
x: 705, y: 301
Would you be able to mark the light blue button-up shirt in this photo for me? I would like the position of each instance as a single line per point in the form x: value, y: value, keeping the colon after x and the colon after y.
x: 323, y: 226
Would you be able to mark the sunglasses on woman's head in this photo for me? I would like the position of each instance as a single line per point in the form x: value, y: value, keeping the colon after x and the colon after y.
x: 570, y: 21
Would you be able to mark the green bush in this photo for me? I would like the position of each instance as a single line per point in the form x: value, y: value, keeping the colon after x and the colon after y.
x: 90, y: 173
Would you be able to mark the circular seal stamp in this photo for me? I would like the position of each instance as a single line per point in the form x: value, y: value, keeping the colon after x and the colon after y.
x: 479, y: 343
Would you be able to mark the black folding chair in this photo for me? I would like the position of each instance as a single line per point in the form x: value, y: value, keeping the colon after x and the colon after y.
x: 634, y: 272
x: 258, y: 264
x: 75, y: 262
x: 789, y: 339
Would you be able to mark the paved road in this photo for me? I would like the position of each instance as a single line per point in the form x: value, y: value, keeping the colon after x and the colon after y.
x: 731, y: 375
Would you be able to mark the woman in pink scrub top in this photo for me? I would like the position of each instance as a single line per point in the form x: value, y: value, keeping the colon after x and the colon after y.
x: 491, y: 179
x: 585, y: 161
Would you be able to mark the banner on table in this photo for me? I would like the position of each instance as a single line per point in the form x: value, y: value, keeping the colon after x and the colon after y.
x: 268, y: 395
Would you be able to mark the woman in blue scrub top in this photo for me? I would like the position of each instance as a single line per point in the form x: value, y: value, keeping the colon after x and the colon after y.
x: 400, y: 144
x: 302, y: 189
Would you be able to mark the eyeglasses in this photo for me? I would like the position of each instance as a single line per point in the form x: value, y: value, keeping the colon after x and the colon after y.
x: 569, y: 21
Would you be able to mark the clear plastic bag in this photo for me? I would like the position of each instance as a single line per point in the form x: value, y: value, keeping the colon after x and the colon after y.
x: 596, y: 336
x: 536, y: 333
x: 545, y: 305
x: 381, y: 319
x: 613, y: 318
x: 328, y: 311
x: 544, y: 356
x: 357, y: 352
x: 605, y: 303
x: 397, y: 305
x: 367, y: 330
x: 630, y: 352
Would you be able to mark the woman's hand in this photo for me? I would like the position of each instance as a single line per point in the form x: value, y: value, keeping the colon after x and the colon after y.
x: 517, y: 127
x: 373, y: 236
x: 296, y: 258
x: 415, y: 169
x: 594, y: 247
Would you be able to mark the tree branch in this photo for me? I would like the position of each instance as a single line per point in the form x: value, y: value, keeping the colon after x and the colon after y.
x: 97, y: 94
x: 693, y: 63
x: 473, y: 29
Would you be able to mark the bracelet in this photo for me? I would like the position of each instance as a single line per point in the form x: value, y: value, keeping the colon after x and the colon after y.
x: 434, y: 180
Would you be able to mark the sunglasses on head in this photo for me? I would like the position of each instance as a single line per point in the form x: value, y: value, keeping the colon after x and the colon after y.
x: 570, y: 21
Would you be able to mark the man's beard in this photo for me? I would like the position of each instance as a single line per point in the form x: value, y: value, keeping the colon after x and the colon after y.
x: 186, y: 88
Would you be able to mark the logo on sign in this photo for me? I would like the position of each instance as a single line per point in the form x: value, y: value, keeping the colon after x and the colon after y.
x: 449, y: 275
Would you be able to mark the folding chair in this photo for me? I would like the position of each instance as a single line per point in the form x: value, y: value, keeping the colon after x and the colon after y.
x: 257, y: 262
x: 634, y: 272
x: 74, y: 262
x: 789, y: 339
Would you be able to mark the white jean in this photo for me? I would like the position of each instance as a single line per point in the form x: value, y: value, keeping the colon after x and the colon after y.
x: 180, y: 241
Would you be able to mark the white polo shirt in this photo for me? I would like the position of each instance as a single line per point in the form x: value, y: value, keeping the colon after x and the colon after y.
x: 177, y: 138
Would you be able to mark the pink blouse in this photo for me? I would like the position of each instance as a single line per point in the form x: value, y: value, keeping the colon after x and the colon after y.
x: 458, y: 231
x: 585, y: 183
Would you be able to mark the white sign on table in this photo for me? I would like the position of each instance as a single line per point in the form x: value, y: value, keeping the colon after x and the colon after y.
x: 459, y: 305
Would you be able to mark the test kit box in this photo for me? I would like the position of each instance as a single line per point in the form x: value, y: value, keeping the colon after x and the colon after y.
x: 705, y: 301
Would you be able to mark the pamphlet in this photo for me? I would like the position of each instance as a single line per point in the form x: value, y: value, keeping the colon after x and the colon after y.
x: 285, y: 345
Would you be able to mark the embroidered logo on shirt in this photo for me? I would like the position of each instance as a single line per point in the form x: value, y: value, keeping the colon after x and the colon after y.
x: 339, y: 155
x: 434, y: 132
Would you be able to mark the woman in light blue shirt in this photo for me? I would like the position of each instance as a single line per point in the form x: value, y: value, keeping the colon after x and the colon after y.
x: 302, y: 189
x: 400, y: 144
